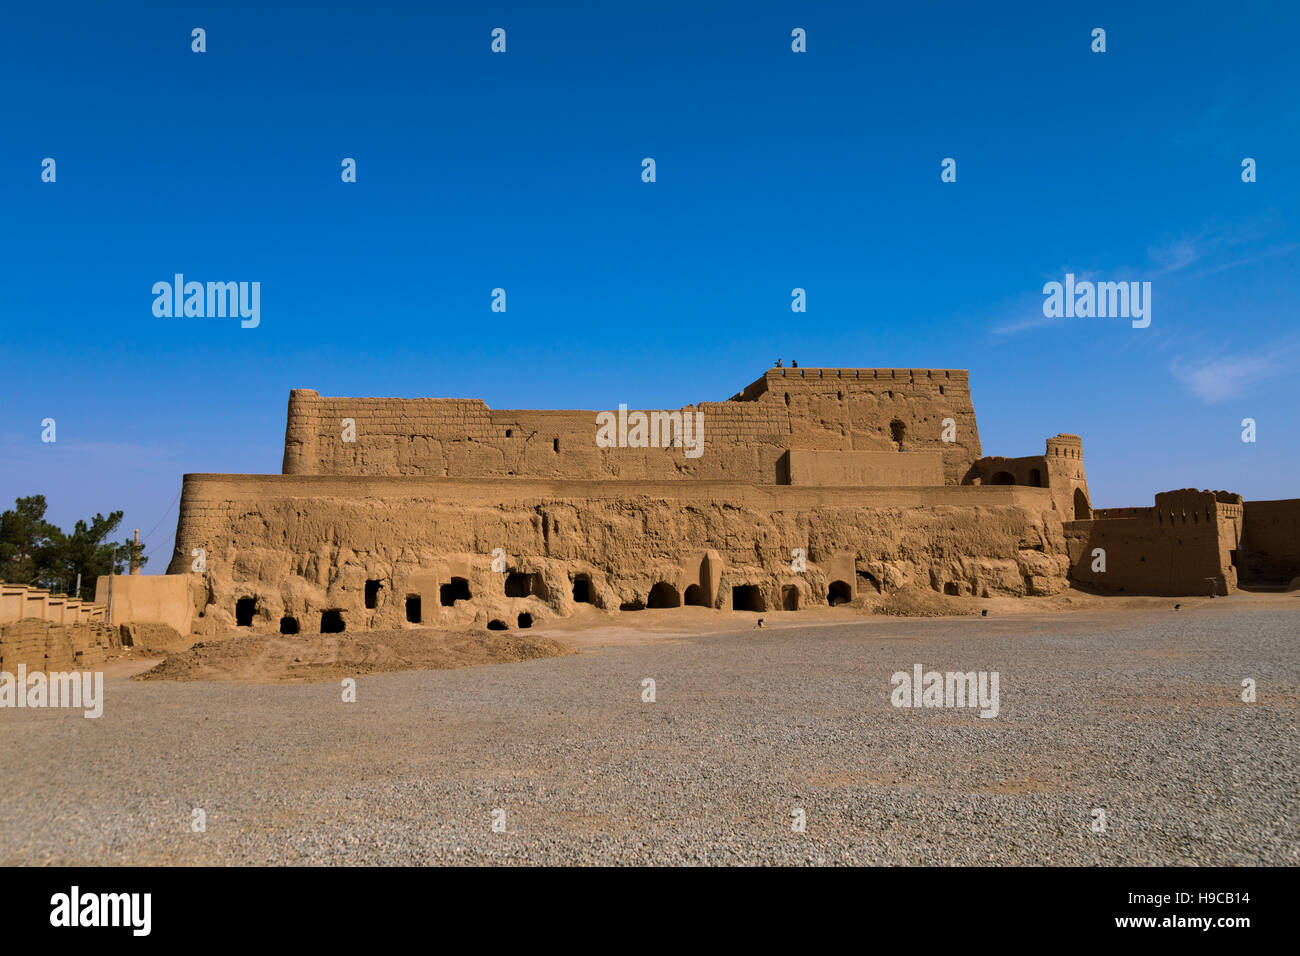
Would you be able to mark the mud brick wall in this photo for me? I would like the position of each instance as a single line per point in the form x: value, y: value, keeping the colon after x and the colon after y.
x: 43, y: 646
x: 301, y: 545
x: 744, y: 437
x: 1173, y: 548
x: 1270, y: 545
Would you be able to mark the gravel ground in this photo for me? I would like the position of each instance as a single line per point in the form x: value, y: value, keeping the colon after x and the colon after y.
x: 1135, y: 713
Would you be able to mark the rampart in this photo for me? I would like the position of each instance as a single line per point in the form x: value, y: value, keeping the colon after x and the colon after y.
x: 745, y: 438
x: 1188, y: 543
x: 811, y: 487
x: 385, y: 551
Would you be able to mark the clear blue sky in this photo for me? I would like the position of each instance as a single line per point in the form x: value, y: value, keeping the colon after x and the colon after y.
x: 775, y: 170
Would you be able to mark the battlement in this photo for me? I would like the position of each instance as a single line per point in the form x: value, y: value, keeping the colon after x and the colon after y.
x: 19, y: 602
x: 818, y: 378
x: 1065, y: 446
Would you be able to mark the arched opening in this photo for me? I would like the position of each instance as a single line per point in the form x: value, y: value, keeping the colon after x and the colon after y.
x: 372, y: 593
x: 787, y: 398
x: 497, y: 625
x: 789, y: 598
x: 747, y: 597
x: 525, y: 619
x: 1082, y: 511
x: 244, y: 609
x: 631, y: 606
x: 1036, y: 478
x: 457, y: 590
x: 555, y: 445
x: 839, y: 593
x: 952, y: 588
x: 331, y: 621
x: 866, y: 580
x: 288, y: 625
x: 664, y: 595
x: 519, y: 584
x: 1002, y: 478
x: 695, y: 596
x: 413, y: 615
x: 582, y: 589
x: 898, y: 431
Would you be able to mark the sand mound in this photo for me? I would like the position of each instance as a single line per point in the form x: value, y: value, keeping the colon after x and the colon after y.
x: 922, y: 602
x: 152, y: 639
x: 314, y: 657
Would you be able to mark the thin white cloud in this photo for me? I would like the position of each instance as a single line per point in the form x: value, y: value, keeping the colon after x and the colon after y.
x: 1178, y: 253
x: 1023, y: 322
x: 1272, y: 253
x: 1218, y: 379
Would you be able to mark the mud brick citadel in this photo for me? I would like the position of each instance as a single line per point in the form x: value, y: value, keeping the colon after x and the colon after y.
x: 816, y: 487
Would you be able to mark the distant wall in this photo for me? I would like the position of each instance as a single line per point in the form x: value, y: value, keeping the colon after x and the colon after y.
x: 148, y: 599
x: 1182, y: 546
x: 744, y: 438
x: 1270, y: 546
x: 19, y: 602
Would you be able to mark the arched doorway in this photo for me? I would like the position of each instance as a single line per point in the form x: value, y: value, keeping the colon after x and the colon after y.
x: 663, y: 595
x: 747, y: 597
x: 1082, y: 511
x: 1002, y: 478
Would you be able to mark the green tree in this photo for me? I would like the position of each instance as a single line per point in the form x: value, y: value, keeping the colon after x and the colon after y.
x: 27, y: 541
x: 33, y: 551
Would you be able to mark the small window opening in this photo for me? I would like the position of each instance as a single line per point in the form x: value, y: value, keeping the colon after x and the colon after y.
x: 456, y: 590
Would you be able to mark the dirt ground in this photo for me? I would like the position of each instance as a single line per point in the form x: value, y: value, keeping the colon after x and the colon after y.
x: 314, y: 657
x: 1128, y: 706
x: 303, y: 658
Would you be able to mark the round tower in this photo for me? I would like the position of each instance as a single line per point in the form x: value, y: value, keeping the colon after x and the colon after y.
x: 1067, y: 478
x: 299, y: 432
